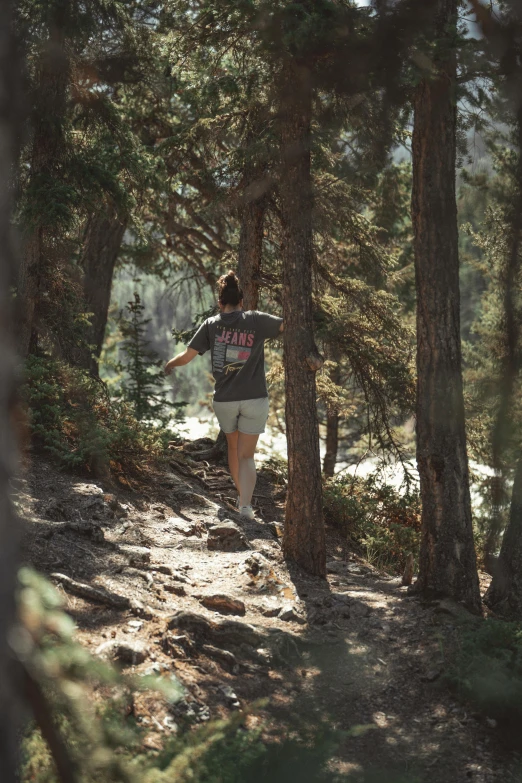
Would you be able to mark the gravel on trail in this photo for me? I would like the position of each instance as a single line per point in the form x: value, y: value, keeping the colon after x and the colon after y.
x: 165, y: 578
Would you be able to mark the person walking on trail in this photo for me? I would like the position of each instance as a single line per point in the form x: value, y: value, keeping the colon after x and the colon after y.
x: 236, y: 340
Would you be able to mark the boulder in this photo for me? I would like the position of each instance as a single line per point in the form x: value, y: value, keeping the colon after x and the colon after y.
x: 290, y: 614
x: 336, y: 567
x: 221, y: 634
x: 223, y: 603
x: 175, y: 589
x: 131, y: 653
x: 226, y: 536
x: 235, y: 633
x: 187, y: 497
x: 136, y: 555
x: 255, y: 563
x: 270, y: 607
x: 179, y: 525
x: 224, y: 657
x: 230, y: 696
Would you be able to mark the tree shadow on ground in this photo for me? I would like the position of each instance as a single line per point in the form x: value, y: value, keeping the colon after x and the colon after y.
x: 372, y: 672
x: 365, y: 664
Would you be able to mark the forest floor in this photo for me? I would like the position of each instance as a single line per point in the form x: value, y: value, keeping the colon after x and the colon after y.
x: 184, y: 591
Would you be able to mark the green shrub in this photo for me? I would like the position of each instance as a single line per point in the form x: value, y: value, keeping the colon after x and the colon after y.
x: 277, y: 468
x: 486, y: 669
x: 72, y: 418
x: 376, y: 517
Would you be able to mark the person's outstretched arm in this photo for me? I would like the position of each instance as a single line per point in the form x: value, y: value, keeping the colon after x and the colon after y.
x: 180, y: 360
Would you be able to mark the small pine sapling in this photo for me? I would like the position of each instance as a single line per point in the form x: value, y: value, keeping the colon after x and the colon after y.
x: 144, y: 382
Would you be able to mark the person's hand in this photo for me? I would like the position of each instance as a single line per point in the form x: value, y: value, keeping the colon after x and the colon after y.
x: 168, y: 368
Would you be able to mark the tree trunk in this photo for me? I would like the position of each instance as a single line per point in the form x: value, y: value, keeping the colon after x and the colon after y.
x: 505, y: 591
x: 496, y: 518
x: 28, y: 288
x: 332, y: 443
x: 47, y: 145
x: 10, y: 129
x: 332, y: 430
x: 252, y: 214
x: 304, y: 540
x: 252, y: 210
x: 103, y: 239
x: 447, y: 558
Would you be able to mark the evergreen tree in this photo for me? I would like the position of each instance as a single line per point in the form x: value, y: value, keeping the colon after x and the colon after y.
x: 189, y: 136
x: 505, y: 35
x: 143, y: 384
x: 447, y: 559
x: 81, y: 159
x: 361, y: 324
x: 308, y: 32
x: 304, y: 539
x: 484, y: 350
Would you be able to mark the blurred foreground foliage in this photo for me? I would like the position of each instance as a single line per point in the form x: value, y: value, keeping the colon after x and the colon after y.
x: 485, y: 670
x: 105, y: 743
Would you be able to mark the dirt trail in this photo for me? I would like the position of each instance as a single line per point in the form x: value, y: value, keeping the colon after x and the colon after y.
x: 209, y: 598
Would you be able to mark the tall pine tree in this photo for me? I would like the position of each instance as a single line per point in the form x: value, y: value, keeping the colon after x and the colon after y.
x: 447, y: 558
x: 304, y: 540
x: 505, y: 38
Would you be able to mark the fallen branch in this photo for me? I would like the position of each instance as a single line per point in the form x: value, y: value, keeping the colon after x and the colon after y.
x: 96, y: 594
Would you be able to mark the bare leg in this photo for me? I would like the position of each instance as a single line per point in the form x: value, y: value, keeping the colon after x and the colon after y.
x: 246, y: 447
x: 233, y: 462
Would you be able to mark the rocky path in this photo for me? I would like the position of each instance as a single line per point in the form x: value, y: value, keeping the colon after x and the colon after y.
x: 165, y: 578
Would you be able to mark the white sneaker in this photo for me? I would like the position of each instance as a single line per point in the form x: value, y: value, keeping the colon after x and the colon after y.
x: 247, y: 512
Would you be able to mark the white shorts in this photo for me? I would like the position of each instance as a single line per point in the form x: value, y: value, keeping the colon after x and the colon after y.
x: 247, y: 416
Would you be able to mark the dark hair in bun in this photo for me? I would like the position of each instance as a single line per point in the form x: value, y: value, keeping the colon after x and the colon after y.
x: 229, y: 289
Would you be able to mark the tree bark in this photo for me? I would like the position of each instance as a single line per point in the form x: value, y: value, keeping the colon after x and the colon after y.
x: 252, y: 213
x: 47, y: 145
x: 447, y: 558
x: 10, y: 129
x: 505, y: 591
x: 332, y: 431
x: 332, y: 443
x: 251, y: 248
x: 304, y: 540
x: 103, y: 238
x: 494, y: 532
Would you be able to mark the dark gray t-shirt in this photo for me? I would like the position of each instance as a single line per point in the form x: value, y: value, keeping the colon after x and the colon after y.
x: 237, y: 342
